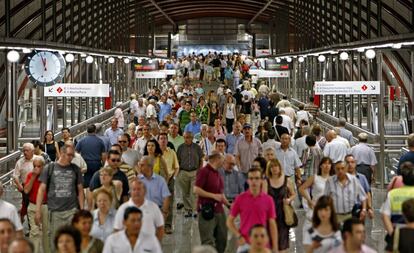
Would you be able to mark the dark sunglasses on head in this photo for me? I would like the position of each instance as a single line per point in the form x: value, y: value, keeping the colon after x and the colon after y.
x: 122, y: 141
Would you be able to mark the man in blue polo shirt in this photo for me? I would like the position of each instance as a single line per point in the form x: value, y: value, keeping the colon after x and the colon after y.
x: 165, y: 108
x: 157, y: 188
x: 93, y: 151
x: 194, y: 126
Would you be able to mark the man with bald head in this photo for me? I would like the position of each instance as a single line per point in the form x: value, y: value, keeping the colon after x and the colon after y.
x: 232, y: 178
x: 335, y: 149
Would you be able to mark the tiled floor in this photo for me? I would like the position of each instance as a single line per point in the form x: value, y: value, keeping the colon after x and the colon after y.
x: 186, y: 235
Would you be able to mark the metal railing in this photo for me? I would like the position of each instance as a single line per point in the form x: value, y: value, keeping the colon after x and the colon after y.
x: 7, y: 163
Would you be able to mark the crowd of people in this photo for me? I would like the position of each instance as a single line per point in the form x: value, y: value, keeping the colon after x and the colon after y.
x: 238, y: 159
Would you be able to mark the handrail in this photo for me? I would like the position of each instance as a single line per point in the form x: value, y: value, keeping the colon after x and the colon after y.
x: 6, y: 159
x: 76, y: 130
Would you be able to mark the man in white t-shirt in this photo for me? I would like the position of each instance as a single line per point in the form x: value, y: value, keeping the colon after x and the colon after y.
x: 152, y: 220
x: 120, y: 241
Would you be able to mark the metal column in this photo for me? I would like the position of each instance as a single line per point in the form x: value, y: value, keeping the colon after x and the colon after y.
x: 381, y: 120
x: 12, y: 116
x: 369, y: 100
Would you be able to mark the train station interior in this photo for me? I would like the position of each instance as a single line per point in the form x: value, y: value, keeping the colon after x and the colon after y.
x: 71, y: 64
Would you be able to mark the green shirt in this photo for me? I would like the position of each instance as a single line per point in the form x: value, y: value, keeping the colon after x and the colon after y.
x: 177, y: 141
x: 184, y: 119
x: 202, y: 113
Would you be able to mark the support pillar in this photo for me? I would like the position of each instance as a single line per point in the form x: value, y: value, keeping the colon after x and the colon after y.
x: 169, y: 45
x: 253, y: 45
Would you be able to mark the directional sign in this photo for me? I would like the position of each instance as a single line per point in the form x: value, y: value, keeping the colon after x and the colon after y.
x: 261, y: 73
x: 77, y: 90
x: 347, y: 88
x: 150, y: 74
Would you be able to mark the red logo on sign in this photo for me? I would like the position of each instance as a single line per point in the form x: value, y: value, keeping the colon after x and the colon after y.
x: 364, y: 87
x: 59, y: 90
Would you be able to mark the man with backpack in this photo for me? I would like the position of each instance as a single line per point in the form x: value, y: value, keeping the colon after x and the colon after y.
x: 62, y: 182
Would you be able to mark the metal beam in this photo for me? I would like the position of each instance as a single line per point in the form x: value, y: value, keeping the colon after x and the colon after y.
x: 163, y: 13
x: 260, y: 12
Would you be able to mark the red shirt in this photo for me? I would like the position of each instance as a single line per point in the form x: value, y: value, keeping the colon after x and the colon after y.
x: 209, y: 179
x: 252, y: 211
x: 35, y: 188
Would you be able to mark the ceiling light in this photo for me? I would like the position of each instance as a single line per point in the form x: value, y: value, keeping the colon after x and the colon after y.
x: 126, y: 60
x: 321, y: 58
x: 139, y: 60
x: 289, y: 59
x: 301, y: 59
x: 278, y: 60
x: 111, y: 60
x: 361, y: 49
x: 344, y: 56
x: 370, y: 54
x: 89, y: 59
x: 150, y: 61
x: 27, y: 50
x: 13, y: 56
x: 69, y: 57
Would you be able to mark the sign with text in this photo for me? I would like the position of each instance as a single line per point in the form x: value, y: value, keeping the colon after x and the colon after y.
x: 271, y: 64
x: 261, y: 73
x: 347, y: 88
x: 150, y: 74
x: 77, y: 90
x: 145, y: 65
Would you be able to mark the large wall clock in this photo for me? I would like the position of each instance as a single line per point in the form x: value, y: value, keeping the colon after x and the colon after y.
x: 45, y: 68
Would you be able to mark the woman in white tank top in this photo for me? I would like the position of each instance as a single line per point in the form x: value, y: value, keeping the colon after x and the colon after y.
x: 314, y: 186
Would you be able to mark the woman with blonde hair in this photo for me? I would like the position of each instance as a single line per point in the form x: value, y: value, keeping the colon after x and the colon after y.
x: 103, y: 216
x: 113, y: 186
x: 281, y: 189
x: 132, y: 133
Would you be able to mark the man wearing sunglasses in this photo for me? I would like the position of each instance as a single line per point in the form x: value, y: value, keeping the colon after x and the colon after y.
x: 61, y: 182
x: 114, y: 161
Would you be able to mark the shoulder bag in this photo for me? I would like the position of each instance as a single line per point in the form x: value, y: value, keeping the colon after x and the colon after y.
x: 291, y: 219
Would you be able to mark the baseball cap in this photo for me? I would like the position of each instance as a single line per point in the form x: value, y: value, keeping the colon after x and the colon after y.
x: 247, y: 125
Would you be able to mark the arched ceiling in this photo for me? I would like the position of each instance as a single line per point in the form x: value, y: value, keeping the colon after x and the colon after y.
x: 179, y: 10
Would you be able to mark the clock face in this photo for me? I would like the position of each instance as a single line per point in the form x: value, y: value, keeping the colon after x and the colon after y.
x: 45, y: 68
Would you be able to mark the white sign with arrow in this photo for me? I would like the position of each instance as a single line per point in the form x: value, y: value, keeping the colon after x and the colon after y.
x: 77, y: 90
x: 347, y: 88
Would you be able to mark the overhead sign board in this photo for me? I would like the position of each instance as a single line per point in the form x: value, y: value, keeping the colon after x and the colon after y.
x: 77, y: 90
x: 347, y: 88
x: 150, y: 74
x: 145, y: 65
x: 261, y: 73
x: 271, y: 64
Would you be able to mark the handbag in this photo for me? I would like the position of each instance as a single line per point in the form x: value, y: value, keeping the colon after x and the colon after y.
x: 207, y: 211
x: 291, y: 219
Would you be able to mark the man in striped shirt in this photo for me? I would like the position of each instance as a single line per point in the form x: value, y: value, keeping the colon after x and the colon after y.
x: 346, y: 191
x: 312, y: 108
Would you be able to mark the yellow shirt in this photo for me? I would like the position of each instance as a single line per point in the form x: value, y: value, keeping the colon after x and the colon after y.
x: 171, y: 160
